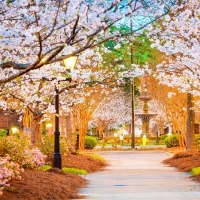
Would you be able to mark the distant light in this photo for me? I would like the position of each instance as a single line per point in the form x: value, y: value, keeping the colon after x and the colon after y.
x: 48, y: 125
x: 14, y: 129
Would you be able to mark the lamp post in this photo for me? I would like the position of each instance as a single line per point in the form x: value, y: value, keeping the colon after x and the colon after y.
x: 132, y: 98
x: 69, y: 63
x: 133, y: 117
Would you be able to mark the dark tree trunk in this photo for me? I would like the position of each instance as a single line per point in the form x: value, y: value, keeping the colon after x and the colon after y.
x: 36, y: 132
x: 190, y: 123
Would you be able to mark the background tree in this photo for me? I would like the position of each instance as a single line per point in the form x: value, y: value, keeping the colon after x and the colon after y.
x: 173, y: 104
x: 161, y: 121
x: 83, y: 111
x: 112, y: 112
x: 179, y: 39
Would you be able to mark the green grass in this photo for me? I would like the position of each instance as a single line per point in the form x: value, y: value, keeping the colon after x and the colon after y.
x: 44, y: 167
x: 97, y: 157
x: 75, y: 171
x: 65, y: 169
x: 195, y: 171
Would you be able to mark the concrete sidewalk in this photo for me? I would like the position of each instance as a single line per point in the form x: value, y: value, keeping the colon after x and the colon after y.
x: 139, y: 175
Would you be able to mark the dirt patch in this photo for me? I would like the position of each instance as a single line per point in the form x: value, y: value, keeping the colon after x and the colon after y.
x: 52, y: 184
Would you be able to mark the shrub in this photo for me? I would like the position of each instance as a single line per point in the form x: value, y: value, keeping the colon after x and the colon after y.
x: 37, y: 157
x: 90, y: 142
x: 171, y: 141
x: 15, y: 154
x: 16, y: 148
x: 47, y: 145
x: 162, y: 137
x: 8, y: 170
x: 197, y: 142
x: 20, y: 151
x: 3, y: 132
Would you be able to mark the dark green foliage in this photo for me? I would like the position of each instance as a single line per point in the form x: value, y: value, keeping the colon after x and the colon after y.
x: 90, y: 142
x: 118, y: 60
x: 197, y: 142
x: 162, y: 137
x: 171, y: 141
x: 3, y: 132
x: 141, y: 51
x: 47, y: 145
x: 128, y: 86
x: 110, y: 44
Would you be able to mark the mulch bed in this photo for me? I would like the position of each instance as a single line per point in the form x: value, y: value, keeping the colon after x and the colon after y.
x: 56, y: 185
x: 185, y: 161
x: 52, y: 184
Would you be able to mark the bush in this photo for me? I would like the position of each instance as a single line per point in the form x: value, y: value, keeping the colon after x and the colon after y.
x: 47, y: 145
x: 90, y: 142
x: 3, y: 132
x: 197, y: 142
x: 8, y: 170
x: 20, y: 151
x: 15, y: 154
x: 171, y: 141
x: 16, y: 148
x: 162, y: 137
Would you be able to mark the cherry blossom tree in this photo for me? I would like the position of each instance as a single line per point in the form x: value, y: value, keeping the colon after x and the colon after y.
x: 113, y: 111
x: 36, y: 93
x: 83, y: 111
x: 37, y: 32
x: 161, y: 121
x: 173, y: 104
x: 179, y: 40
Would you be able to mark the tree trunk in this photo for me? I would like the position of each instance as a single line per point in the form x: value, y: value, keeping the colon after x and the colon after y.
x: 100, y: 129
x: 69, y: 128
x: 36, y: 132
x: 190, y: 123
x: 32, y: 125
x: 75, y: 129
x: 82, y: 131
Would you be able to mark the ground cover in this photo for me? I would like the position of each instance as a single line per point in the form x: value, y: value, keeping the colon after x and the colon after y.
x: 57, y: 185
x: 185, y: 161
x: 54, y: 183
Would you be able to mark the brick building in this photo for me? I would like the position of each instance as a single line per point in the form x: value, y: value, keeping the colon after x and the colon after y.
x: 9, y: 119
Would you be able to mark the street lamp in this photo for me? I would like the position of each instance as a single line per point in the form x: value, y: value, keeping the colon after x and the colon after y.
x: 132, y: 98
x: 69, y: 63
x: 133, y: 116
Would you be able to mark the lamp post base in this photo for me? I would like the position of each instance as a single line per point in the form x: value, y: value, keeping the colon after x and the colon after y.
x: 133, y: 145
x: 56, y: 161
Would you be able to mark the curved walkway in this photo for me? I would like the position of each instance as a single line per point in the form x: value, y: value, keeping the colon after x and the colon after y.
x: 139, y: 175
